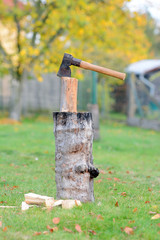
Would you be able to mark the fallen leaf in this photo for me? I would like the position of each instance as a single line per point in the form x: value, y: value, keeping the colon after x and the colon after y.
x: 45, y: 232
x: 123, y: 194
x: 116, y: 204
x: 12, y: 188
x: 99, y: 181
x: 127, y: 172
x: 147, y: 201
x: 102, y: 172
x: 0, y: 224
x: 78, y: 228
x: 110, y: 172
x: 158, y: 224
x: 156, y: 216
x: 149, y: 189
x: 37, y: 233
x: 131, y: 221
x: 4, y: 229
x: 48, y: 227
x: 133, y: 182
x: 114, y: 220
x: 109, y: 179
x: 56, y: 220
x: 93, y: 232
x: 100, y: 217
x: 122, y: 229
x: 53, y: 229
x: 135, y: 210
x: 116, y: 179
x: 128, y: 230
x: 67, y: 230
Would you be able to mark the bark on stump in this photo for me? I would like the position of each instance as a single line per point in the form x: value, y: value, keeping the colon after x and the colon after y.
x: 73, y: 155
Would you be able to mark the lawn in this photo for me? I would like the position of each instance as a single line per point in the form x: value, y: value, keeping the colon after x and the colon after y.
x: 126, y: 191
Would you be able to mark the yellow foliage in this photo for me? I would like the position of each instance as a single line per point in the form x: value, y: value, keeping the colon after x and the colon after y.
x: 23, y: 52
x: 40, y: 79
x: 101, y: 32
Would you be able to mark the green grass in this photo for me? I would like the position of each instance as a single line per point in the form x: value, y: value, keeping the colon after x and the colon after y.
x: 130, y: 154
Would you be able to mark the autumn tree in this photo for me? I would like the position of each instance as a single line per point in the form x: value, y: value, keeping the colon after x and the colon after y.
x: 36, y: 33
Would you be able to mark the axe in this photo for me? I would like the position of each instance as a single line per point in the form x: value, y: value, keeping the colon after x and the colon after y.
x: 68, y: 98
x: 68, y: 60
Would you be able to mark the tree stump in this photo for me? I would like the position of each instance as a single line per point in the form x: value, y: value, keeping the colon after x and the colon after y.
x: 74, y: 171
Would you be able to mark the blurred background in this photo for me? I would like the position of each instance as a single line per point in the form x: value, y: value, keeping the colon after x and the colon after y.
x: 121, y: 35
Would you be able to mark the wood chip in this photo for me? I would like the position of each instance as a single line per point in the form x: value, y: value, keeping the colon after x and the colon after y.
x: 68, y: 204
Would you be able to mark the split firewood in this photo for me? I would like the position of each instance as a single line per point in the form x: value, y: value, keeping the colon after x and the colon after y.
x: 25, y: 206
x: 58, y: 203
x: 35, y: 199
x: 7, y: 206
x: 68, y: 204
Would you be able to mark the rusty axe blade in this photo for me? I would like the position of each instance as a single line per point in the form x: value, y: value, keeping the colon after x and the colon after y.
x: 68, y: 60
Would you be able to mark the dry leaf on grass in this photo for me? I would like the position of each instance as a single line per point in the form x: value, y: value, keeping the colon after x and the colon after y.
x: 156, y: 216
x: 116, y: 204
x: 100, y: 217
x: 37, y: 233
x: 45, y: 232
x: 93, y: 232
x: 129, y: 230
x: 131, y: 221
x: 116, y: 179
x: 56, y: 220
x: 102, y: 172
x: 78, y: 228
x: 135, y: 210
x: 0, y: 224
x: 48, y: 227
x: 99, y: 181
x: 4, y: 229
x: 158, y: 224
x: 123, y: 194
x: 147, y: 201
x: 67, y: 230
x: 53, y: 229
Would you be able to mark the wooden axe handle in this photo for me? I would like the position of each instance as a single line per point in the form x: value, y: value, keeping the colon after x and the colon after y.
x: 103, y: 70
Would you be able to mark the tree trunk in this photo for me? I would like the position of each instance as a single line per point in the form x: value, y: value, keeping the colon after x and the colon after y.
x: 16, y: 100
x: 74, y: 163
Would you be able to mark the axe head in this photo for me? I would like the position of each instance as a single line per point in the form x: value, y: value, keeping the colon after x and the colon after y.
x: 67, y: 61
